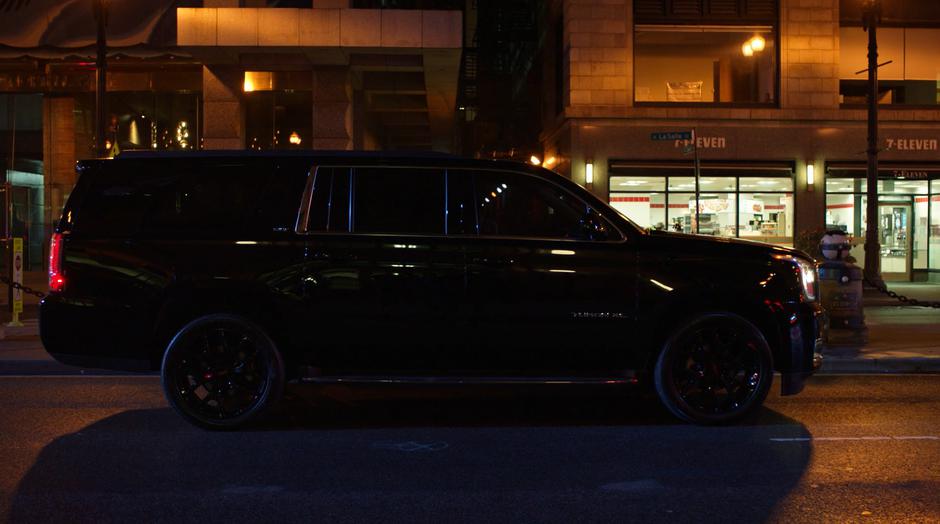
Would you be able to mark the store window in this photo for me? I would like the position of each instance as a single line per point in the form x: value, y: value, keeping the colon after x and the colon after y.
x: 141, y: 120
x: 278, y: 109
x: 934, y: 234
x: 903, y: 219
x: 705, y: 64
x: 731, y: 205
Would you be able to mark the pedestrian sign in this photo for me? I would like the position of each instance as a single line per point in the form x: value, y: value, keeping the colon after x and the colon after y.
x: 672, y: 135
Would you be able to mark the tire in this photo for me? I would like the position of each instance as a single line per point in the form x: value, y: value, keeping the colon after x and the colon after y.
x: 716, y: 368
x: 222, y: 372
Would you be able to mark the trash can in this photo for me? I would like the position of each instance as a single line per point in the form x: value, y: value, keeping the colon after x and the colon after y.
x: 840, y: 292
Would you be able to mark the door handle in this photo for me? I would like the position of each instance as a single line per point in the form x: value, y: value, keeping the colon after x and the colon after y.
x: 492, y: 261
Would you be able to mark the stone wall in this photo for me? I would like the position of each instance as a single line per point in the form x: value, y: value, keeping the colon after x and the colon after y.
x: 809, y: 59
x: 599, y: 45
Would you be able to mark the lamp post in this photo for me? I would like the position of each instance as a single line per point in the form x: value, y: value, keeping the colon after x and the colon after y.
x: 871, y: 15
x: 101, y: 78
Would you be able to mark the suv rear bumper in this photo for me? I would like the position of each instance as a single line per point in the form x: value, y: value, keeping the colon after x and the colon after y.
x: 75, y: 334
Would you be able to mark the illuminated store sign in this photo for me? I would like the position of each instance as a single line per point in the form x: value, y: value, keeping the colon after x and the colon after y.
x: 912, y: 144
x: 704, y: 142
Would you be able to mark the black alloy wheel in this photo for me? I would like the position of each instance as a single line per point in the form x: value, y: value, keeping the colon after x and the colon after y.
x: 716, y: 368
x: 222, y: 372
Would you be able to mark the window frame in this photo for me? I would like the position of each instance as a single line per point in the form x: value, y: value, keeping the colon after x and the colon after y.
x: 301, y: 226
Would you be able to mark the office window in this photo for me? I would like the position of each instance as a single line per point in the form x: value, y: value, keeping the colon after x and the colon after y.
x: 910, y: 76
x: 705, y: 64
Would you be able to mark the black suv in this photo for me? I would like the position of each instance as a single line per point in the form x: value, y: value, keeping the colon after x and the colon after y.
x: 233, y: 273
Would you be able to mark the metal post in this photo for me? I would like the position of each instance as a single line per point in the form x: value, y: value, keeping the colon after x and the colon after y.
x: 8, y: 199
x: 871, y: 17
x: 697, y: 170
x: 101, y: 78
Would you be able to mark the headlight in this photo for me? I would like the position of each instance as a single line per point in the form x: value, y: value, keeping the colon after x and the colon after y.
x: 807, y: 277
x: 806, y: 271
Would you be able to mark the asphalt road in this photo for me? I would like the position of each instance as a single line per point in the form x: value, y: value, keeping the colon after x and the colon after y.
x: 102, y: 449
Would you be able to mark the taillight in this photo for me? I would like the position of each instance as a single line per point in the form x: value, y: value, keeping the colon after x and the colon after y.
x: 56, y: 278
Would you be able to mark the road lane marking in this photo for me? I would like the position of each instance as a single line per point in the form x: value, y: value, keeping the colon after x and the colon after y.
x: 2, y: 376
x: 411, y: 446
x: 864, y: 438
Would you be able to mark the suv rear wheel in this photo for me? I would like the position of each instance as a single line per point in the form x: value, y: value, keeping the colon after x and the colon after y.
x: 716, y: 368
x: 222, y: 372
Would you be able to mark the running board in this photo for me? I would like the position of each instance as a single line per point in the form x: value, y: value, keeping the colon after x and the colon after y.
x: 365, y: 379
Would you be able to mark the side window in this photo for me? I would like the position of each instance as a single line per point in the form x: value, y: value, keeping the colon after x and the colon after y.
x: 171, y: 197
x: 329, y: 202
x: 511, y: 204
x: 207, y: 198
x: 461, y: 210
x: 280, y: 200
x: 398, y: 200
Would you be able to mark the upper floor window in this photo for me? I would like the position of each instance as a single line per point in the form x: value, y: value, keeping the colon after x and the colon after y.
x: 910, y: 76
x: 706, y: 52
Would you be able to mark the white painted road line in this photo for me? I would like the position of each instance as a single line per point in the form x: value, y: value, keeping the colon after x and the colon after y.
x: 78, y: 375
x: 839, y: 439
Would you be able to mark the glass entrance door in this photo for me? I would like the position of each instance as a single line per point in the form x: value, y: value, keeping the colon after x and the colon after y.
x: 894, y: 227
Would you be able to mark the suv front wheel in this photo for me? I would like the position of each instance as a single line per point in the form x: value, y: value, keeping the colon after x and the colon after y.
x: 222, y: 372
x: 716, y: 368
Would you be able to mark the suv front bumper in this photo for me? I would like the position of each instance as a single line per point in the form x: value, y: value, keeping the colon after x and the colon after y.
x: 805, y: 344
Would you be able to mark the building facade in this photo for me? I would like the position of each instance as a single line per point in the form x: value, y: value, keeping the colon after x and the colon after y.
x: 772, y: 90
x: 218, y: 74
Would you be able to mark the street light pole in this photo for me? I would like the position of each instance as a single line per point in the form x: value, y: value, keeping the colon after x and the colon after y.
x: 101, y: 78
x: 870, y: 18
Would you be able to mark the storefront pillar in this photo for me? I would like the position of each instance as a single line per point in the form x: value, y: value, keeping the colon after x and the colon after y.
x: 810, y: 198
x: 332, y: 109
x: 58, y: 151
x: 223, y: 121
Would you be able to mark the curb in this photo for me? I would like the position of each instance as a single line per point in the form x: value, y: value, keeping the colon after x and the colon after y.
x: 880, y: 365
x: 51, y: 367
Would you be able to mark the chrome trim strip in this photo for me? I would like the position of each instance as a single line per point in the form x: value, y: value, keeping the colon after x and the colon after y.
x: 367, y: 379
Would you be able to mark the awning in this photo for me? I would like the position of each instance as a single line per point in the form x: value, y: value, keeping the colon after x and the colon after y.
x: 886, y: 170
x: 709, y: 168
x: 40, y: 26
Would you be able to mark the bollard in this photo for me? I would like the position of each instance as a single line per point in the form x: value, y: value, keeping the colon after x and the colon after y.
x: 840, y: 293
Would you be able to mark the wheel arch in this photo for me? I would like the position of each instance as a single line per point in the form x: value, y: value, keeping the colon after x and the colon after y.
x: 185, y: 302
x: 683, y: 306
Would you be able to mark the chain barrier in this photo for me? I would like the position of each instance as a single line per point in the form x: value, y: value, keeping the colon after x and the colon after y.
x: 25, y: 289
x: 909, y: 301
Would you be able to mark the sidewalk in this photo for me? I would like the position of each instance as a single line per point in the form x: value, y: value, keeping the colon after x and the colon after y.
x: 901, y: 339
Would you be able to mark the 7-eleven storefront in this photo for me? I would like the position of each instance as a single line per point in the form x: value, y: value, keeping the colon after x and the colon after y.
x: 777, y: 182
x: 908, y: 215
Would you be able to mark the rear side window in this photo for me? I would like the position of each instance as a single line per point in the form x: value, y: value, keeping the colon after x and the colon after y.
x: 170, y: 197
x: 398, y: 200
x: 215, y: 199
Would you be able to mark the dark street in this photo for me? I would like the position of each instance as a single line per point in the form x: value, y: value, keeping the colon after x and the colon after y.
x: 100, y: 449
